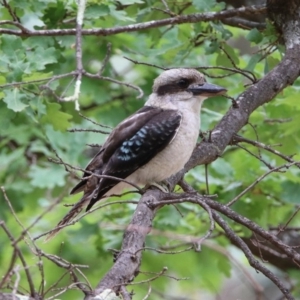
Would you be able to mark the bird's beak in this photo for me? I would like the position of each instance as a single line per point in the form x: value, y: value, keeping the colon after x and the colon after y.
x: 206, y: 89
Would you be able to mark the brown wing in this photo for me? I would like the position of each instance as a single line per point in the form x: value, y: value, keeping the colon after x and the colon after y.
x: 121, y: 133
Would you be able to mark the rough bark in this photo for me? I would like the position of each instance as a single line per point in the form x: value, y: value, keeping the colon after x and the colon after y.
x: 4, y: 296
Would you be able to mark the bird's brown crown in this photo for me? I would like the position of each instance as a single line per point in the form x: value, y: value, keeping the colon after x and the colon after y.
x: 176, y: 80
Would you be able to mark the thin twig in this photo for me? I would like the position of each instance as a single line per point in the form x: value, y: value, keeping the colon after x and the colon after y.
x: 49, y: 79
x: 199, y: 241
x: 62, y: 263
x: 9, y: 271
x: 88, y: 130
x: 237, y: 139
x: 28, y: 275
x: 148, y: 293
x: 79, y: 67
x: 162, y: 251
x: 85, y: 278
x: 259, y: 179
x: 206, y: 179
x: 143, y: 63
x: 17, y: 24
x: 48, y: 209
x: 182, y: 19
x: 290, y: 219
x: 94, y: 122
x: 11, y: 12
x: 61, y: 162
x: 16, y: 271
x: 161, y: 273
x: 97, y: 76
x: 105, y: 61
x: 51, y: 287
x: 256, y: 156
x: 253, y: 79
x: 83, y: 215
x: 81, y: 285
x: 63, y: 290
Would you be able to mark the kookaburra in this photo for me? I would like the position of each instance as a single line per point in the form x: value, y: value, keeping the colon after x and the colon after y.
x: 152, y: 144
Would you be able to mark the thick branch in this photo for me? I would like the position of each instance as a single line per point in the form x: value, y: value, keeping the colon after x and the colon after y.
x: 127, y: 262
x: 286, y: 16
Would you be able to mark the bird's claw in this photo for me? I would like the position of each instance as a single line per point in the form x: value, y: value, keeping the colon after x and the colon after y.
x: 164, y: 186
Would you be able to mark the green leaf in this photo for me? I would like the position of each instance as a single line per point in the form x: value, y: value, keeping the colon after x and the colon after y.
x: 37, y: 76
x: 218, y: 26
x: 254, y: 36
x: 232, y: 186
x: 39, y: 147
x: 43, y: 41
x: 5, y: 117
x: 212, y: 47
x: 292, y: 101
x: 13, y: 100
x: 2, y: 79
x: 224, y: 265
x: 120, y: 15
x: 270, y: 63
x: 290, y: 192
x: 10, y: 44
x: 6, y: 159
x: 41, y: 57
x: 47, y: 177
x: 204, y: 5
x: 223, y: 168
x: 253, y: 61
x: 55, y: 13
x: 96, y: 11
x: 58, y: 119
x: 38, y: 106
x: 86, y: 230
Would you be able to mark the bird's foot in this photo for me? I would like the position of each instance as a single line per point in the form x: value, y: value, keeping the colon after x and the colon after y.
x: 164, y: 186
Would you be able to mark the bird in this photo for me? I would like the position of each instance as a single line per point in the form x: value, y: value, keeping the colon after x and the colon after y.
x: 149, y: 146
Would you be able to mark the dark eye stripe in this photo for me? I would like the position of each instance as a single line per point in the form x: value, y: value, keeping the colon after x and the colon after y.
x: 181, y: 85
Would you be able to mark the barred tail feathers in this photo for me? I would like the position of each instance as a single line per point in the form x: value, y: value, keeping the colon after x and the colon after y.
x: 76, y: 209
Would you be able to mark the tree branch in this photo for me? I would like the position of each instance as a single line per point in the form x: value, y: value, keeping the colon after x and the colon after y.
x: 79, y: 67
x: 127, y: 262
x: 252, y: 261
x: 192, y: 18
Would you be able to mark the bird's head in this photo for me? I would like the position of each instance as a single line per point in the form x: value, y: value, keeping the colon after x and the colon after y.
x: 185, y: 82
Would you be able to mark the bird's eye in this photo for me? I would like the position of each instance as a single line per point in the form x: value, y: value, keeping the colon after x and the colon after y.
x: 183, y: 83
